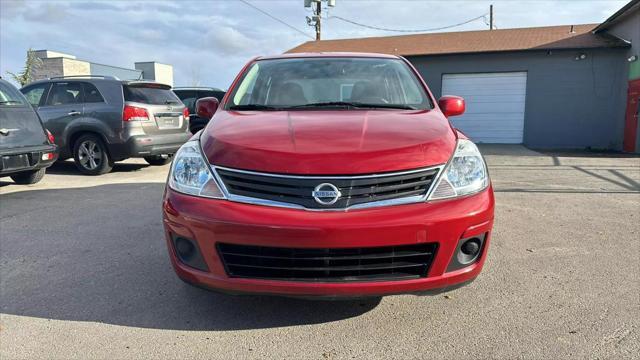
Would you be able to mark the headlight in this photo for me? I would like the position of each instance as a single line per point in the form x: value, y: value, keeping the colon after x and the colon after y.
x: 191, y: 173
x: 465, y: 174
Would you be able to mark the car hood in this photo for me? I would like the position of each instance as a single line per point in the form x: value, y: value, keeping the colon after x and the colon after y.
x: 336, y: 142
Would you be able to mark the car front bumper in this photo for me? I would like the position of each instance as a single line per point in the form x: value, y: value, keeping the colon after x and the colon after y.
x: 209, y: 221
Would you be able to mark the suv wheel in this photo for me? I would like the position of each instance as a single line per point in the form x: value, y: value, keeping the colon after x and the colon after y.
x: 91, y: 155
x: 28, y: 177
x: 158, y: 160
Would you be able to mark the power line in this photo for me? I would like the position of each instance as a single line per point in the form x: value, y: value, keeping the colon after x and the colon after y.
x: 404, y: 30
x: 276, y: 19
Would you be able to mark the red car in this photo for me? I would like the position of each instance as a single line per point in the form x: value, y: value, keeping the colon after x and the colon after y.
x: 329, y: 175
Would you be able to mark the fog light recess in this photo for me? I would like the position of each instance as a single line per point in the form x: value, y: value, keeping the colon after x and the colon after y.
x: 467, y: 252
x: 185, y: 249
x: 188, y: 253
x: 470, y: 247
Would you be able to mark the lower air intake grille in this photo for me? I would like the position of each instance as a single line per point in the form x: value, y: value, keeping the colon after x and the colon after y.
x: 327, y: 265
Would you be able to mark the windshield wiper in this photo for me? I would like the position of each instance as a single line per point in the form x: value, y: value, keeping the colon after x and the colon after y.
x: 253, y: 107
x: 7, y: 102
x: 354, y: 105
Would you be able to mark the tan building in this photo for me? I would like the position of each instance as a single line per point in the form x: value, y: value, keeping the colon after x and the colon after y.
x: 55, y: 64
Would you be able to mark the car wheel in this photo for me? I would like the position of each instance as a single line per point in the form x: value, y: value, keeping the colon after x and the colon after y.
x: 195, y: 129
x: 91, y: 155
x: 158, y: 160
x: 28, y: 177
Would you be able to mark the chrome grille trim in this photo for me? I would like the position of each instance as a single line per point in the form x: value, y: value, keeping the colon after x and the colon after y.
x: 368, y: 205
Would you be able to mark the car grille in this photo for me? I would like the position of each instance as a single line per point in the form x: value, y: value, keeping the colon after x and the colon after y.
x: 328, y: 265
x: 354, y: 189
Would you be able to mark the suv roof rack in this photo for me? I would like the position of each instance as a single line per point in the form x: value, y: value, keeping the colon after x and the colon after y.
x: 85, y: 76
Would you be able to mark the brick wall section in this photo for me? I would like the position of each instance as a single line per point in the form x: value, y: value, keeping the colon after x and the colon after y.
x: 49, y: 68
x: 52, y: 67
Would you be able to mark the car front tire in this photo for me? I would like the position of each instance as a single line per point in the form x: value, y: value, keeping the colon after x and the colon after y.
x: 91, y: 156
x: 28, y: 177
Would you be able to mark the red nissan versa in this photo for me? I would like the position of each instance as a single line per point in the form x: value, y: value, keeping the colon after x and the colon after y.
x: 329, y: 175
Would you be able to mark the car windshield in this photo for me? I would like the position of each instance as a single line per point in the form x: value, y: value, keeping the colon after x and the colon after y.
x: 10, y: 96
x: 323, y: 83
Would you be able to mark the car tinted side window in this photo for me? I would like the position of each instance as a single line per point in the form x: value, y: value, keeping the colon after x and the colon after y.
x: 91, y: 94
x: 65, y: 93
x: 35, y: 93
x: 188, y: 98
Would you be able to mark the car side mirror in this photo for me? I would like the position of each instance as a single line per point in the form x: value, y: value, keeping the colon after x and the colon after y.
x: 451, y: 105
x: 206, y: 107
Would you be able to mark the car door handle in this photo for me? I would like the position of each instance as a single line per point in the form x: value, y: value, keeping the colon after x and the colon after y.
x: 73, y: 113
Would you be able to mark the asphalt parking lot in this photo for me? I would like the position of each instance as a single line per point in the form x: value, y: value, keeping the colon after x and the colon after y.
x: 84, y: 274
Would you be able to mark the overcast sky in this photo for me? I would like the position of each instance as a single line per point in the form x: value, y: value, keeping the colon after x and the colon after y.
x: 208, y: 42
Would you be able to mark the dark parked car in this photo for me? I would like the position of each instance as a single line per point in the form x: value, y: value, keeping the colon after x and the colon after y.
x: 98, y: 120
x: 189, y: 96
x: 26, y: 147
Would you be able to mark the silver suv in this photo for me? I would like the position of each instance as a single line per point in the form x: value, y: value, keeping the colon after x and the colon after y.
x: 99, y: 120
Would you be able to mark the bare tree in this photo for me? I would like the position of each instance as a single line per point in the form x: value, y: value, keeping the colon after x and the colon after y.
x: 195, y: 75
x: 31, y: 64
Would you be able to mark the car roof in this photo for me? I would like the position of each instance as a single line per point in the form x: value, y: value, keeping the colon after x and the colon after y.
x: 328, y: 54
x: 196, y: 88
x: 70, y: 79
x: 95, y: 79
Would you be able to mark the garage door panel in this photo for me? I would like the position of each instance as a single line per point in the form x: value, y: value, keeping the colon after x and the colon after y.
x: 503, y: 131
x: 507, y: 83
x: 476, y: 87
x: 492, y: 75
x: 494, y: 95
x: 506, y: 132
x: 496, y: 125
x: 495, y: 105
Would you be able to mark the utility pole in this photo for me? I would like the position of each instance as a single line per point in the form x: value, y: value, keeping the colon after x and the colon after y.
x: 318, y: 20
x: 491, y: 17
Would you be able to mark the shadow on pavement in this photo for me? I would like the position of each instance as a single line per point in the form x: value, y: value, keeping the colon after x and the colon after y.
x: 98, y: 254
x: 68, y: 167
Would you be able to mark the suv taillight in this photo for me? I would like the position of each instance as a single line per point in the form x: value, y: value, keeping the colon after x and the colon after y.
x: 50, y: 137
x: 132, y: 113
x: 185, y: 113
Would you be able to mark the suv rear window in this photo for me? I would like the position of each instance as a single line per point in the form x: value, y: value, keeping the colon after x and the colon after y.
x: 150, y: 94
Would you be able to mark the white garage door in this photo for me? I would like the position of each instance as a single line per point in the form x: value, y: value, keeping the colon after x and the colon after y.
x: 495, y: 105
